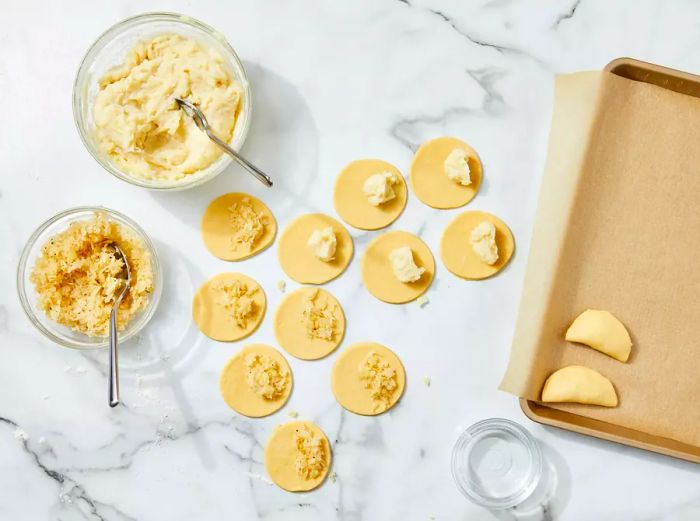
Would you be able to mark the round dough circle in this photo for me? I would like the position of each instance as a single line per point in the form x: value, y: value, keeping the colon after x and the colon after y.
x: 214, y: 320
x: 234, y: 386
x: 297, y: 259
x: 280, y: 453
x: 379, y: 277
x: 216, y: 227
x: 347, y: 386
x: 351, y: 203
x: 429, y: 181
x: 290, y: 329
x: 456, y: 251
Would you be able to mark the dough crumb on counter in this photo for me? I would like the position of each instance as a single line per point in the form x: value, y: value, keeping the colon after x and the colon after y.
x: 293, y: 414
x: 378, y: 188
x: 333, y: 477
x: 427, y: 381
x: 403, y: 265
x: 483, y: 242
x: 457, y: 167
x: 422, y: 301
x: 281, y: 286
x: 265, y: 377
x: 323, y: 242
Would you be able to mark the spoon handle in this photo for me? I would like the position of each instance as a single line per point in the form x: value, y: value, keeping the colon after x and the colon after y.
x: 259, y: 174
x: 113, y: 362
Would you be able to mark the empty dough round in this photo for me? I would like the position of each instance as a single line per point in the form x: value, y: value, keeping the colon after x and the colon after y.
x: 220, y: 233
x: 215, y: 319
x: 379, y: 277
x: 238, y: 393
x: 349, y: 388
x: 297, y: 259
x: 302, y: 333
x: 351, y: 202
x: 281, y: 456
x: 429, y: 181
x: 457, y: 253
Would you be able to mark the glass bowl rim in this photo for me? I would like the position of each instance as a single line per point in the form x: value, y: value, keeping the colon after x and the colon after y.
x: 22, y: 267
x: 103, y: 39
x: 528, y: 441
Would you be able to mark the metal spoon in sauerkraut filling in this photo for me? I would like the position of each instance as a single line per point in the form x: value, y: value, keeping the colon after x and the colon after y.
x: 77, y: 277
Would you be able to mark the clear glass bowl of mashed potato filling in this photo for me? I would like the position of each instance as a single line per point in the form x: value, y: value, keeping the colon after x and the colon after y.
x: 124, y: 108
x: 68, y: 277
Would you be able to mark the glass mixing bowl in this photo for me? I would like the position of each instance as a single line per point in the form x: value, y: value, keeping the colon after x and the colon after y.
x: 56, y: 332
x: 112, y: 48
x: 497, y: 464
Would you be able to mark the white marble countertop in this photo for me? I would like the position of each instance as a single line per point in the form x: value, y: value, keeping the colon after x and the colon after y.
x: 332, y: 81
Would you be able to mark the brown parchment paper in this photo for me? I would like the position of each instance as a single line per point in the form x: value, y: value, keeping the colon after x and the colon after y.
x: 618, y: 228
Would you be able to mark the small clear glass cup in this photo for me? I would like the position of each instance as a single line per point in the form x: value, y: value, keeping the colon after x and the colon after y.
x: 497, y: 464
x: 58, y: 333
x: 112, y: 48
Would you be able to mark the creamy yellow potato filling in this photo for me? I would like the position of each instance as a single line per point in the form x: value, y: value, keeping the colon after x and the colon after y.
x: 139, y: 125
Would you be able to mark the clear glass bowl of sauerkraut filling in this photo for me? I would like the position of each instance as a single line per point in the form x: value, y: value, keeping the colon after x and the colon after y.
x: 68, y: 277
x: 124, y: 100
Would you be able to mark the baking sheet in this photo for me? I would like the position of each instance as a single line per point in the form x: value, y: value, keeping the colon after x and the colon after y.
x: 618, y: 228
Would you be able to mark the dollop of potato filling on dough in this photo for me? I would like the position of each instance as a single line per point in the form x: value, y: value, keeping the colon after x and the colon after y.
x: 77, y: 276
x: 311, y: 458
x: 457, y: 167
x: 247, y: 224
x: 265, y: 377
x: 403, y: 265
x: 140, y: 126
x: 378, y: 188
x: 318, y: 317
x: 323, y: 243
x: 237, y: 299
x: 379, y: 378
x: 483, y: 242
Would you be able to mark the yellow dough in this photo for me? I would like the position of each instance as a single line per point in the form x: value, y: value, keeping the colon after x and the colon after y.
x: 309, y: 323
x: 352, y: 203
x: 297, y: 258
x: 256, y: 381
x: 602, y: 331
x: 457, y: 253
x: 297, y: 456
x: 368, y: 379
x: 139, y: 125
x: 378, y: 275
x: 237, y: 225
x: 228, y: 307
x: 429, y: 181
x: 579, y: 384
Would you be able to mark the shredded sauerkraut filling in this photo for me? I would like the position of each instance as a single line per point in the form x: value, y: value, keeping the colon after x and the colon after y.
x: 77, y: 277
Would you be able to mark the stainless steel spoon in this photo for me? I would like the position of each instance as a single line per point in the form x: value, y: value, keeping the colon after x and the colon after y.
x: 125, y: 275
x: 200, y: 120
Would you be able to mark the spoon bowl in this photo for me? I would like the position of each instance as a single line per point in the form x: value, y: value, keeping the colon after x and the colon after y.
x: 193, y: 111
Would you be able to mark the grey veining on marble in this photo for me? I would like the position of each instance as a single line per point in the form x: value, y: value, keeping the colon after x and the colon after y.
x: 332, y: 81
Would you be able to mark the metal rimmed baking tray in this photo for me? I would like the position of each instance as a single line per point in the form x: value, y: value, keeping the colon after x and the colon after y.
x: 566, y: 417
